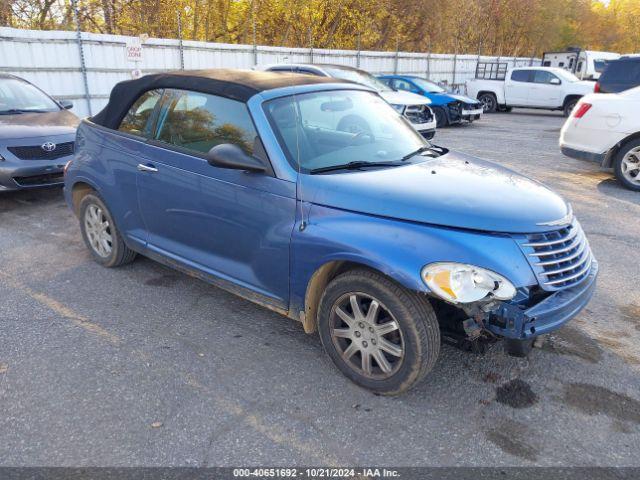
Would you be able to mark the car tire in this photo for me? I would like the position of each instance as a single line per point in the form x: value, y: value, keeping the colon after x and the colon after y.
x: 100, y: 233
x: 568, y: 106
x: 626, y: 165
x: 441, y: 117
x: 398, y: 344
x: 488, y: 101
x: 518, y: 348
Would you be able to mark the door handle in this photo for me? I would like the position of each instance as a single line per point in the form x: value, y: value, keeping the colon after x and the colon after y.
x: 147, y: 168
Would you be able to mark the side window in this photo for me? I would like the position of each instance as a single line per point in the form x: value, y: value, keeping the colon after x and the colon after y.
x: 520, y: 75
x: 283, y: 69
x: 404, y: 85
x: 306, y: 71
x: 198, y: 122
x: 540, y: 76
x: 136, y: 121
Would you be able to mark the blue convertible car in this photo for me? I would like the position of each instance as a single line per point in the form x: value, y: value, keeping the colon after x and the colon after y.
x: 449, y: 108
x: 382, y: 242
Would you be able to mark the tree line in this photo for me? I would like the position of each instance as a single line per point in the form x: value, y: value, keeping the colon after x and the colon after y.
x: 486, y: 27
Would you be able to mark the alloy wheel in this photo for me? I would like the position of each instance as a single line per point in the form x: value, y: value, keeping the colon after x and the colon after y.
x: 488, y: 104
x: 630, y: 166
x: 366, y: 335
x: 98, y: 230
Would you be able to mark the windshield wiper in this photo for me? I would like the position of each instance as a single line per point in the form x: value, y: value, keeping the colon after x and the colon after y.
x: 14, y: 111
x: 418, y: 151
x: 354, y: 166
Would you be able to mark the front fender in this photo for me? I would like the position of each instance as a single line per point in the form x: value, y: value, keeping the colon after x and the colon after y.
x: 398, y: 249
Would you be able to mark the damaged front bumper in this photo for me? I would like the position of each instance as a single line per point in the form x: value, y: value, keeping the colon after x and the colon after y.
x: 515, y: 321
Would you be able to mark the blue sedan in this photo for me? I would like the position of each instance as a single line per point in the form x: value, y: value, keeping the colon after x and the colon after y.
x: 449, y: 108
x: 380, y: 241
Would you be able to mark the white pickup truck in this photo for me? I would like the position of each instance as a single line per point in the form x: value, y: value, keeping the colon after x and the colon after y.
x: 546, y: 88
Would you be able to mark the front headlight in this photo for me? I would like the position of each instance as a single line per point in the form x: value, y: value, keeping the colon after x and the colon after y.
x: 398, y: 108
x: 462, y: 283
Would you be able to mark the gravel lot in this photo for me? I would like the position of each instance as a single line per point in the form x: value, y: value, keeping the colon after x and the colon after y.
x: 146, y: 366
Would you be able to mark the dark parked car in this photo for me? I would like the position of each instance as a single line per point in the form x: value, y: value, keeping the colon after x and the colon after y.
x: 619, y: 75
x: 379, y: 240
x: 37, y: 135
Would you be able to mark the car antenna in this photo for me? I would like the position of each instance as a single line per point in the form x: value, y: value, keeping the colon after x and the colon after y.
x: 303, y: 223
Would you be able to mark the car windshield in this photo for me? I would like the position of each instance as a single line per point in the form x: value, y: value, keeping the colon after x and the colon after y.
x: 358, y: 76
x: 321, y: 130
x: 428, y: 86
x: 568, y: 76
x: 18, y: 96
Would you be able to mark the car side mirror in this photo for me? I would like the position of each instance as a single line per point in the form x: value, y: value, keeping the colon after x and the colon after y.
x: 66, y: 104
x: 228, y: 155
x: 555, y: 81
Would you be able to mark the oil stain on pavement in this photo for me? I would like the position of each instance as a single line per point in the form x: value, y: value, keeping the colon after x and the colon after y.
x: 516, y: 393
x: 596, y: 400
x: 512, y: 437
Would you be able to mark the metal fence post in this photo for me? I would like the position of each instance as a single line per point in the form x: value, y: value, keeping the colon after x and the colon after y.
x: 253, y: 21
x: 180, y: 45
x: 310, y: 45
x: 395, y: 62
x: 358, y: 52
x: 455, y: 64
x: 83, y: 66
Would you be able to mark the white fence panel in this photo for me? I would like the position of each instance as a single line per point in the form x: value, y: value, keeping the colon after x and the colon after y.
x: 51, y: 60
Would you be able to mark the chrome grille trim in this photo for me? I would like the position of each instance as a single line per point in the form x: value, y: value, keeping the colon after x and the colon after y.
x: 553, y: 242
x: 575, y: 241
x: 581, y: 273
x: 560, y: 258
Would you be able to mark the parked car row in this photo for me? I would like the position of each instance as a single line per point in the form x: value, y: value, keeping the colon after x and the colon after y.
x: 313, y: 196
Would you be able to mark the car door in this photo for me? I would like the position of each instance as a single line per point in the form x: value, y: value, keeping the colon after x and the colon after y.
x: 122, y: 151
x: 546, y: 90
x: 231, y: 224
x: 516, y: 87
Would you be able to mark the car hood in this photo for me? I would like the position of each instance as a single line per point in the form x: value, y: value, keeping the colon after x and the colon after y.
x: 404, y: 98
x: 441, y: 98
x: 462, y: 98
x: 24, y: 125
x: 454, y: 190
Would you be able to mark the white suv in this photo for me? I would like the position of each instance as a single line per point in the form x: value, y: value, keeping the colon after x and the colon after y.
x: 605, y: 128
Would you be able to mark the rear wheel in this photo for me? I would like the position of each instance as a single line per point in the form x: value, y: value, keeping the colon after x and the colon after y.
x: 380, y: 335
x: 100, y: 234
x: 441, y: 117
x: 626, y: 165
x: 488, y: 101
x: 568, y: 106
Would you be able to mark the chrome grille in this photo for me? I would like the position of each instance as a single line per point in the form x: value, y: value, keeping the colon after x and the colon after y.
x: 561, y: 258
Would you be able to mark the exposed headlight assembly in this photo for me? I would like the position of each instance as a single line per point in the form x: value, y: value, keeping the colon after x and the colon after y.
x: 462, y: 283
x: 398, y: 108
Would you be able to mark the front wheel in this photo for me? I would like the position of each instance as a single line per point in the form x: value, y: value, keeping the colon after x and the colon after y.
x: 626, y: 165
x: 441, y: 117
x: 489, y: 102
x: 380, y: 335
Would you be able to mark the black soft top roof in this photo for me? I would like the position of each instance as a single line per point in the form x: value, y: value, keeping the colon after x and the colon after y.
x: 238, y: 85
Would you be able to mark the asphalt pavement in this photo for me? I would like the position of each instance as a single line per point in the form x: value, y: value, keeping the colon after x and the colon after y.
x: 145, y: 366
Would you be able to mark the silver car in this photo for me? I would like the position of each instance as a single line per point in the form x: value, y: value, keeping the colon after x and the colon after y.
x: 37, y: 135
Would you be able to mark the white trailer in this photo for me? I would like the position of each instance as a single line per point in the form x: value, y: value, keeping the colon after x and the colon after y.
x: 585, y: 64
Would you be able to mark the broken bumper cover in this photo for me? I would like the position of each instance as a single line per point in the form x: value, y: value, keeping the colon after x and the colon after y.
x: 511, y: 321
